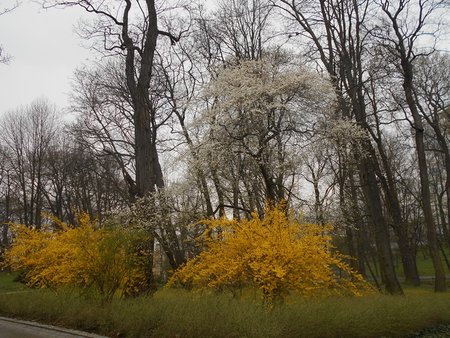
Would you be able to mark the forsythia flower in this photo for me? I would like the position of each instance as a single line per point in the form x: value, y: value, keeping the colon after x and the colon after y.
x: 84, y: 256
x: 276, y: 254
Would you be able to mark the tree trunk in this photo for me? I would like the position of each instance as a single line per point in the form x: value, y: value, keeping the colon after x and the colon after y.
x: 393, y: 205
x: 146, y: 156
x: 382, y: 240
x: 318, y: 208
x: 361, y: 249
x: 440, y: 137
x: 367, y: 167
x: 201, y: 176
x: 400, y: 227
x: 440, y: 283
x: 352, y: 251
x: 448, y: 210
x: 219, y: 191
x: 443, y: 218
x: 359, y: 229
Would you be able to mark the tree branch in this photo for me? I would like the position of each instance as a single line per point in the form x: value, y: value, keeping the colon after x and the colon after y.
x: 173, y: 39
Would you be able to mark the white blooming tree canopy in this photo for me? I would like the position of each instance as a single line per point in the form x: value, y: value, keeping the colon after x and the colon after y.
x: 260, y: 108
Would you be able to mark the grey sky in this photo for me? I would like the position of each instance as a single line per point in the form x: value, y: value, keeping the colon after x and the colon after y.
x: 45, y: 50
x: 45, y: 53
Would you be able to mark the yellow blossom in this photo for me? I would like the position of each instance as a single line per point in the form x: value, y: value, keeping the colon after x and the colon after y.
x: 83, y: 256
x: 275, y: 253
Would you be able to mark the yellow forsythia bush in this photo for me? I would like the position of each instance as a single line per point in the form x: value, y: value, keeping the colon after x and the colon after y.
x: 83, y: 256
x: 275, y: 254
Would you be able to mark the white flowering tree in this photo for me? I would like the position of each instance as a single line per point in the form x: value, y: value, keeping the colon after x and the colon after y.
x: 261, y: 109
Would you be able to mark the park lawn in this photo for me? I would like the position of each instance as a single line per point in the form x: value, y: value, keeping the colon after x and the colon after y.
x: 171, y: 313
x: 7, y: 283
x: 425, y: 264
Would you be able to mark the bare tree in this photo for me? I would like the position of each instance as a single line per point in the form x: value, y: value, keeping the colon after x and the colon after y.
x: 27, y: 135
x: 243, y: 28
x: 407, y: 22
x: 337, y: 32
x: 5, y: 58
x: 78, y: 180
x: 5, y: 199
x: 105, y: 116
x: 182, y: 76
x: 131, y: 29
x: 432, y: 85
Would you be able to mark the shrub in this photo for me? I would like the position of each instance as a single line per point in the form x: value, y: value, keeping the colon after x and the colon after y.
x: 275, y: 254
x: 83, y: 256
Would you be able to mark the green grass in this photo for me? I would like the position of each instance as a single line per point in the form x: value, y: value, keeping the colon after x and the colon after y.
x: 176, y: 313
x: 424, y: 263
x: 7, y: 283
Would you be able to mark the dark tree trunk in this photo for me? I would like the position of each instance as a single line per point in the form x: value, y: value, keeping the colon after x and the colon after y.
x: 219, y: 191
x: 382, y: 240
x: 360, y: 231
x: 146, y: 156
x: 442, y: 141
x: 400, y: 227
x: 352, y: 251
x: 402, y: 39
x: 393, y: 205
x: 236, y: 193
x: 368, y: 164
x: 440, y: 283
x: 361, y: 249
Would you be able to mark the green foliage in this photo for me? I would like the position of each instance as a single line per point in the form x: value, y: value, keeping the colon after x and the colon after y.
x: 84, y: 256
x: 8, y: 282
x: 275, y: 254
x: 178, y: 313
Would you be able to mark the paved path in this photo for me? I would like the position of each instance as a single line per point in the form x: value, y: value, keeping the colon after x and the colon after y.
x: 12, y: 328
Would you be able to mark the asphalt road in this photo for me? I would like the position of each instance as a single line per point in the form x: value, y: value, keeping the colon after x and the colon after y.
x: 11, y: 328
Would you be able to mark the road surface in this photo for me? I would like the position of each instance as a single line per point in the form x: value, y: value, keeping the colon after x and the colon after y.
x: 11, y: 328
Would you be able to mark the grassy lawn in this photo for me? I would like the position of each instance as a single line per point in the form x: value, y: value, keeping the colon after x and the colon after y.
x: 7, y: 283
x: 176, y: 313
x: 424, y: 263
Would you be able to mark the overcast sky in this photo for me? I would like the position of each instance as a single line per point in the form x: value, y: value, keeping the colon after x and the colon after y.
x: 45, y: 51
